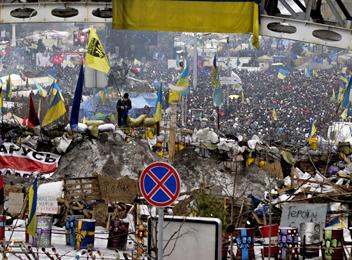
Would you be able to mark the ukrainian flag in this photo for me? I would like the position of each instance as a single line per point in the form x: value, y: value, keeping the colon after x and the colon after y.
x: 159, y: 102
x: 282, y: 74
x: 41, y: 91
x: 346, y: 100
x: 56, y: 109
x: 343, y: 81
x: 221, y: 16
x: 307, y: 72
x: 54, y: 87
x: 215, y: 82
x: 32, y: 208
x: 312, y: 128
x: 181, y: 86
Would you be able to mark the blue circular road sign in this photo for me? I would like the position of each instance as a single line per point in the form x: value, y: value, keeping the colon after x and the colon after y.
x: 160, y: 184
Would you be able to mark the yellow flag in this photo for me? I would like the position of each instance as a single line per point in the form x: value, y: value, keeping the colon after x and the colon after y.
x: 237, y: 16
x: 344, y: 114
x: 315, y: 73
x: 274, y: 115
x: 313, y: 130
x: 96, y: 57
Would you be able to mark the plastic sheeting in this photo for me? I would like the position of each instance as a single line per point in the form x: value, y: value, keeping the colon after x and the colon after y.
x: 140, y: 102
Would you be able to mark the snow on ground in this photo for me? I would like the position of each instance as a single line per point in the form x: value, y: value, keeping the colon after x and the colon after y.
x: 58, y: 240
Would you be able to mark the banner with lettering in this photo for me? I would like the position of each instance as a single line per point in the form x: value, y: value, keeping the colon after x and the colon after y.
x: 294, y: 214
x: 23, y: 159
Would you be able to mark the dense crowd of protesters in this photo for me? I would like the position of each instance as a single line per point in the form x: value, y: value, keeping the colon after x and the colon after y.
x: 295, y: 99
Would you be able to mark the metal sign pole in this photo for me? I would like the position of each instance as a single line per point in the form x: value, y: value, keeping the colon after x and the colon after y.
x: 160, y: 233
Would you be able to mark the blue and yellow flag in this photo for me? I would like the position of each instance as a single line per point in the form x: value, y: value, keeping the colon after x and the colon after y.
x: 218, y: 97
x: 8, y: 88
x: 221, y: 16
x: 343, y: 81
x: 53, y: 89
x: 346, y: 100
x: 32, y: 208
x: 56, y: 109
x: 41, y: 91
x: 96, y: 57
x: 282, y: 73
x: 307, y: 72
x: 181, y: 86
x: 159, y: 102
x: 215, y: 82
x: 312, y: 128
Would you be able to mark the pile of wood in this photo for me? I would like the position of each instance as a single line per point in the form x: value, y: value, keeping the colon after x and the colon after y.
x: 101, y: 198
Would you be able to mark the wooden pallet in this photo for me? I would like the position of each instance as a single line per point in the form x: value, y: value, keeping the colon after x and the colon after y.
x: 82, y: 188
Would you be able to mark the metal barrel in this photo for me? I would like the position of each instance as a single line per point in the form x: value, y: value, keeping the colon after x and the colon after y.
x: 85, y: 232
x: 43, y: 232
x: 118, y: 233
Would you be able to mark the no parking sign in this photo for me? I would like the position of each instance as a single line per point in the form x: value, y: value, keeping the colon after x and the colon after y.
x: 160, y: 184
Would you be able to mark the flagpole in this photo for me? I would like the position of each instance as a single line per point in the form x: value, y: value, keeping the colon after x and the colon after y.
x: 218, y: 119
x: 39, y: 106
x: 183, y: 110
x: 172, y: 131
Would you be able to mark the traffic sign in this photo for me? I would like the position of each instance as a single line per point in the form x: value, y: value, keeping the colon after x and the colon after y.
x: 160, y: 184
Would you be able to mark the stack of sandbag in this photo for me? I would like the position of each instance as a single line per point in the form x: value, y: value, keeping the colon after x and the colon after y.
x: 93, y: 127
x: 106, y: 127
x: 149, y: 121
x: 81, y: 128
x: 136, y: 122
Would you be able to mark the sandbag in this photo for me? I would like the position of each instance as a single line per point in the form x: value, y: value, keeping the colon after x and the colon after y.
x: 81, y: 128
x: 93, y: 131
x: 135, y: 122
x: 94, y: 122
x: 106, y: 127
x: 149, y: 121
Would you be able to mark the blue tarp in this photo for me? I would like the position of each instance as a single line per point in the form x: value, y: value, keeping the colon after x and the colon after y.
x: 139, y: 103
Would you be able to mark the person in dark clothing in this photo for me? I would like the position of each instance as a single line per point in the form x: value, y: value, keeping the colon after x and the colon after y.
x: 122, y: 107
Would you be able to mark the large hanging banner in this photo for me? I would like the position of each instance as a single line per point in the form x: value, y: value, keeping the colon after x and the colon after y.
x: 23, y: 159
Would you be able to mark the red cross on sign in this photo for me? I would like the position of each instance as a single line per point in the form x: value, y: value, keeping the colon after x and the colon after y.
x: 160, y: 184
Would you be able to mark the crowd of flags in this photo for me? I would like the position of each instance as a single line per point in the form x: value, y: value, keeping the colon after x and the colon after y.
x: 95, y: 58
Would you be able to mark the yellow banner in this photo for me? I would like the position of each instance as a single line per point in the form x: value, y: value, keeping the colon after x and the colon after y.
x: 225, y: 16
x: 96, y: 57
